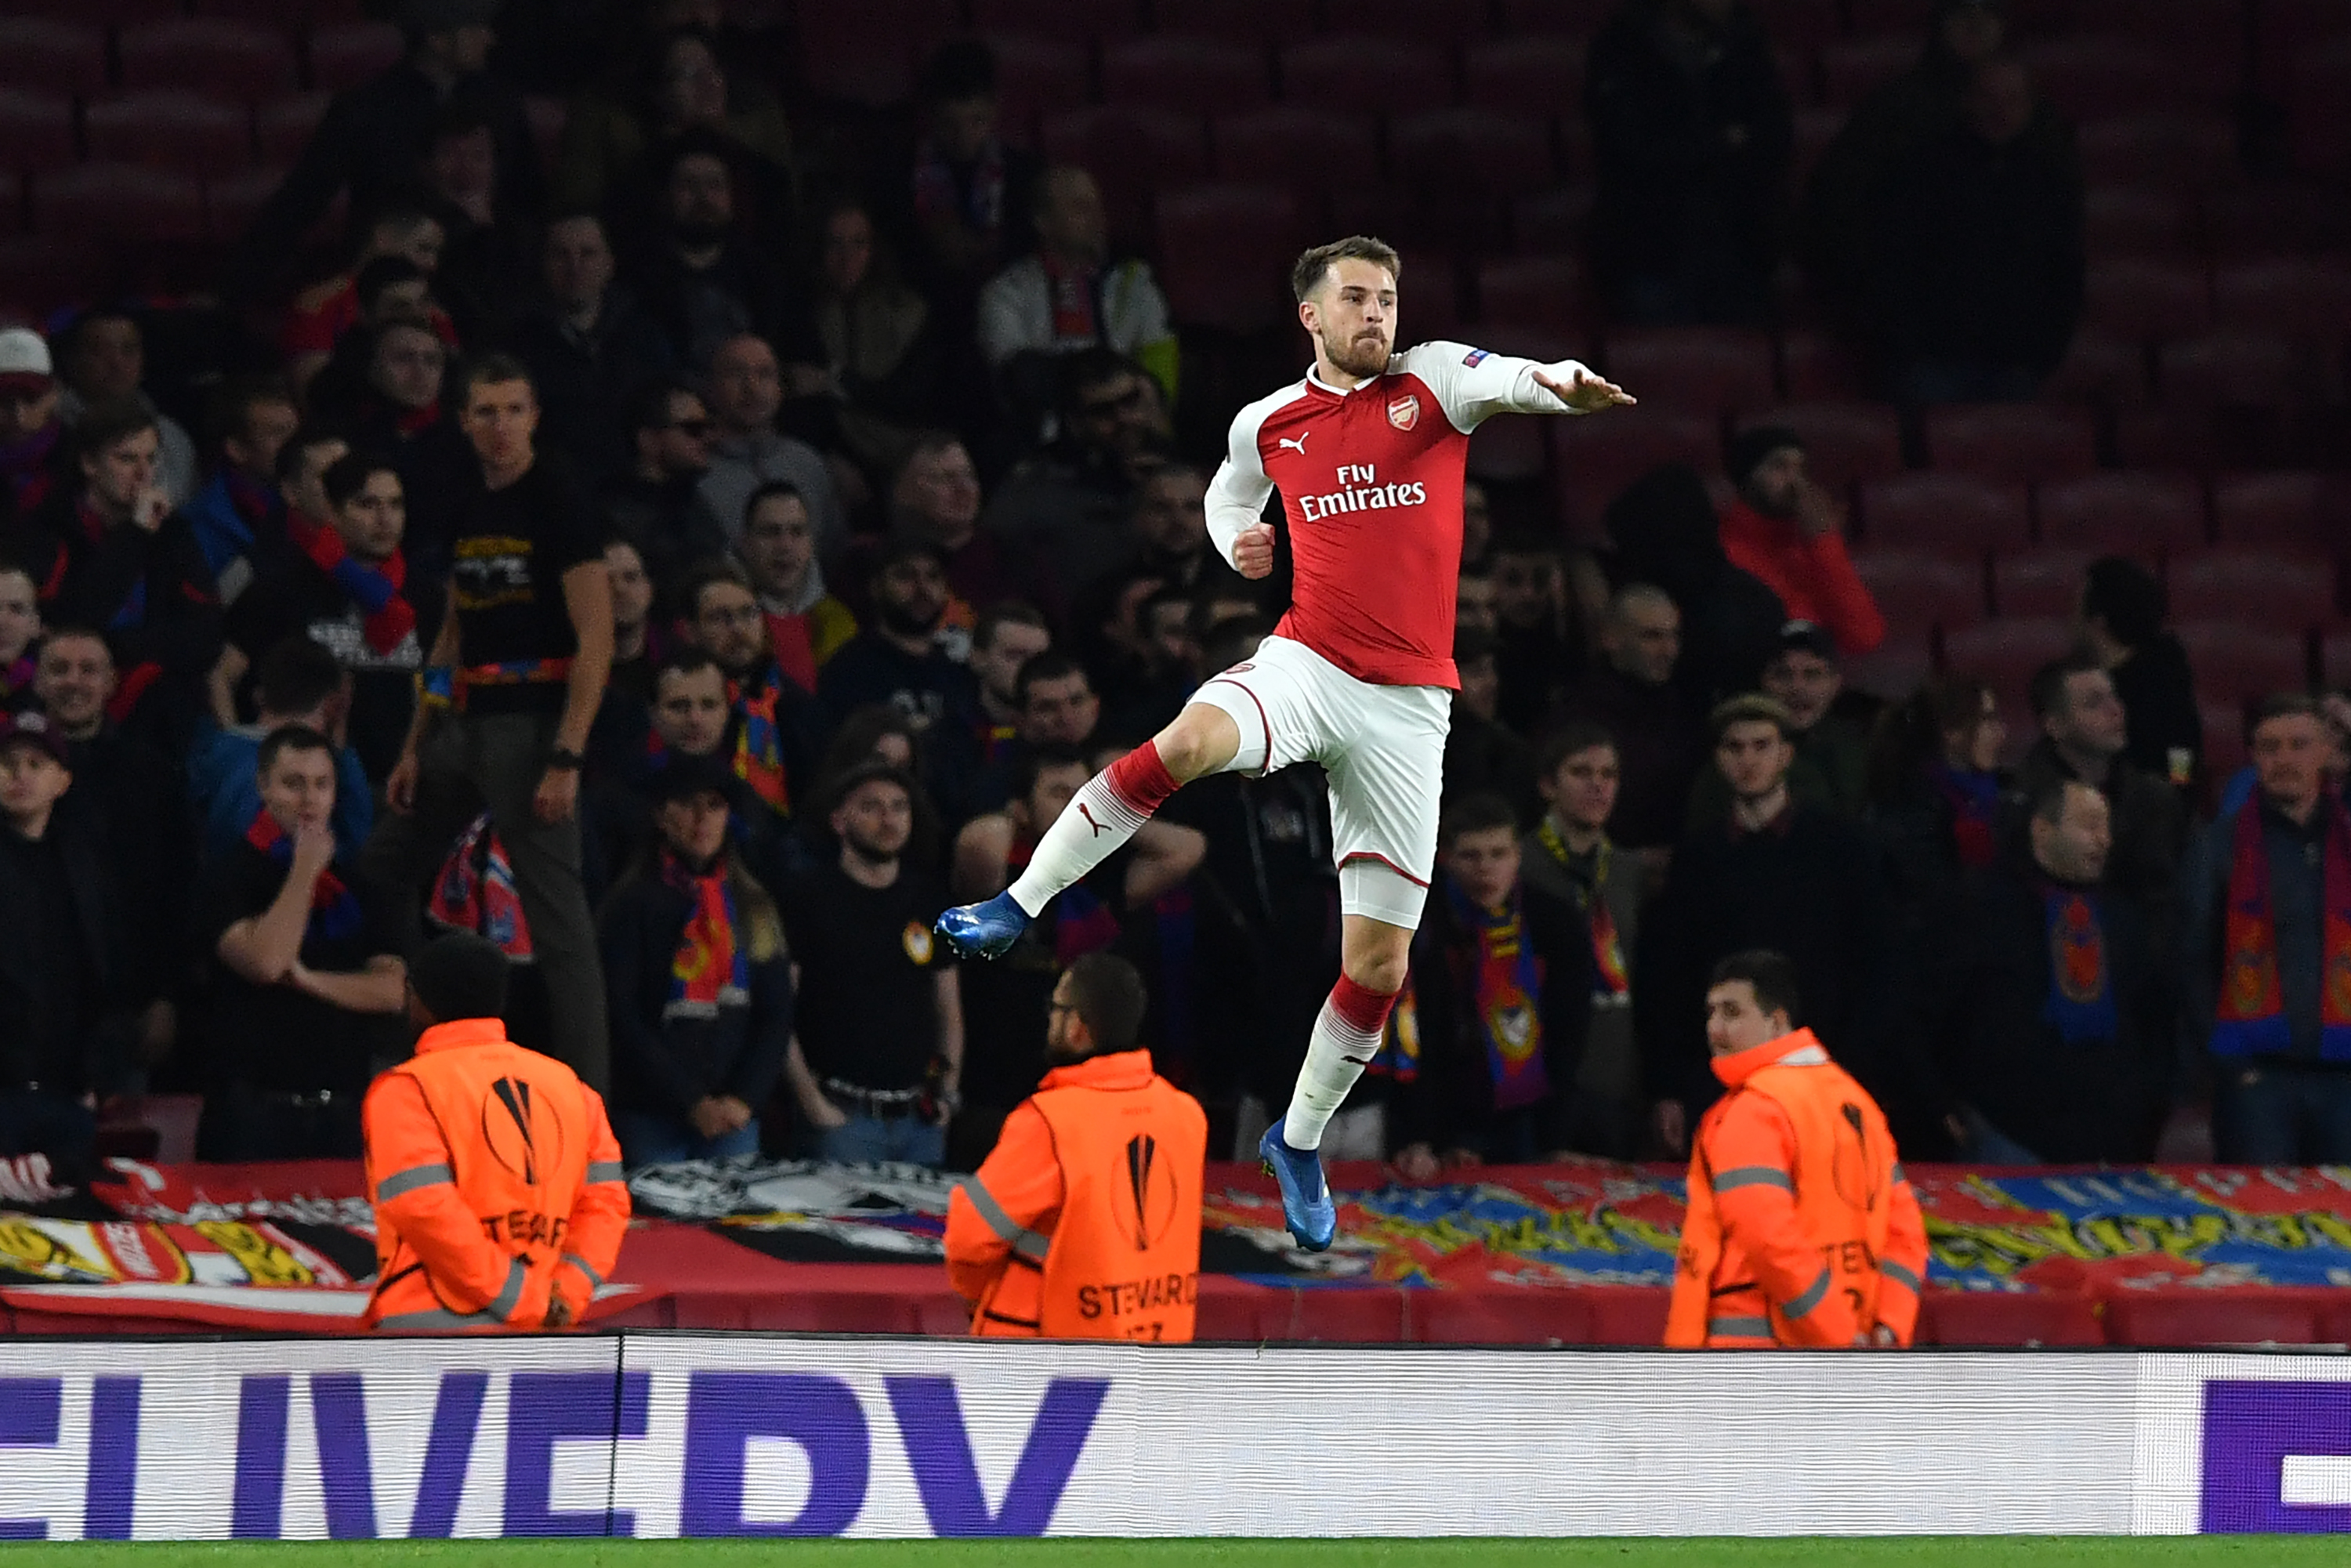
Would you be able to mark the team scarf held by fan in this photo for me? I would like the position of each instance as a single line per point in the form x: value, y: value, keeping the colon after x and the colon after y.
x: 1973, y: 796
x: 379, y: 591
x: 2081, y: 1001
x: 759, y: 746
x: 2249, y: 1019
x: 1612, y: 975
x: 334, y: 909
x: 711, y: 969
x: 1505, y: 981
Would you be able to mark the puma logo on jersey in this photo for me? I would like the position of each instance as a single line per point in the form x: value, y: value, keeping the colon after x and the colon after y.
x: 1297, y: 445
x: 1084, y: 811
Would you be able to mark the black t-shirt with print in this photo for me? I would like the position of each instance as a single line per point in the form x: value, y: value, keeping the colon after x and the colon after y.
x: 867, y: 1010
x: 292, y: 598
x: 511, y: 549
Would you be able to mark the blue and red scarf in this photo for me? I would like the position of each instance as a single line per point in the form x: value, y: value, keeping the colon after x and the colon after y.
x: 1612, y: 975
x: 711, y: 970
x: 2081, y: 1002
x: 759, y: 758
x: 2250, y: 1018
x: 1973, y: 797
x: 1504, y: 981
x: 379, y: 591
x: 334, y: 910
x: 475, y: 892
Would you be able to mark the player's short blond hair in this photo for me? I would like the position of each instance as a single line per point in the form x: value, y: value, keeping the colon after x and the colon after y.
x: 1308, y: 275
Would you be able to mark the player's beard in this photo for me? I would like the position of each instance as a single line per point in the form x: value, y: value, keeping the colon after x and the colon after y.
x: 1357, y: 356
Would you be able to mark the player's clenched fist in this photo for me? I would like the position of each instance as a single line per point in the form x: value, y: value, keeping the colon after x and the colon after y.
x: 1253, y: 551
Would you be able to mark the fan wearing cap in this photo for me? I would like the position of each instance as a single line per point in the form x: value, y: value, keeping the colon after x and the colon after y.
x: 1831, y: 769
x: 698, y: 981
x: 497, y: 1184
x: 1788, y: 532
x: 66, y: 1036
x: 374, y: 134
x: 33, y: 448
x: 309, y: 979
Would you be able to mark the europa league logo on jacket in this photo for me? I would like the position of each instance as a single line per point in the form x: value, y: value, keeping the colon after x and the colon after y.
x: 1152, y: 1184
x: 525, y: 1134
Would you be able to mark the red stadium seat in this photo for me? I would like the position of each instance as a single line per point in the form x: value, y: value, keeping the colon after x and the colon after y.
x: 2289, y: 31
x: 2296, y: 296
x: 2003, y: 654
x: 2318, y: 100
x: 2237, y: 663
x: 242, y: 60
x: 1431, y: 301
x: 1706, y: 370
x: 1507, y: 450
x: 1127, y: 148
x: 2265, y: 218
x: 2013, y: 441
x: 1849, y: 71
x: 1552, y: 222
x: 38, y: 275
x: 1290, y: 144
x: 1893, y: 670
x: 1498, y: 1317
x: 2176, y: 150
x: 2122, y: 512
x: 119, y: 201
x: 2149, y: 299
x: 52, y: 54
x: 186, y: 131
x: 1036, y: 74
x: 349, y: 53
x: 2224, y: 723
x: 1591, y: 465
x: 1545, y: 290
x: 1199, y: 76
x: 2054, y: 1319
x: 36, y: 131
x: 2231, y: 368
x: 1948, y: 512
x: 2178, y: 437
x: 1472, y: 155
x: 287, y: 16
x: 2334, y: 658
x: 2262, y: 587
x: 2095, y: 78
x: 868, y: 51
x: 1529, y: 74
x: 1918, y: 589
x: 2043, y: 582
x: 1348, y: 71
x: 230, y: 203
x: 1556, y: 18
x: 2134, y: 220
x: 281, y: 130
x: 1224, y: 251
x: 2101, y: 368
x: 101, y: 13
x: 1815, y: 365
x: 1844, y: 442
x: 2191, y: 1318
x: 1803, y: 23
x: 1073, y: 21
x: 2289, y: 508
x: 1274, y: 22
x: 12, y: 209
x: 1446, y: 26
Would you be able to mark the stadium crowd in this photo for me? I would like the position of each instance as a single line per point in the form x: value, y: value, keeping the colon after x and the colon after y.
x: 695, y: 559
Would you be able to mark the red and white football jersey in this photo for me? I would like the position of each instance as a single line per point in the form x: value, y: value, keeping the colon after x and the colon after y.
x: 1371, y: 481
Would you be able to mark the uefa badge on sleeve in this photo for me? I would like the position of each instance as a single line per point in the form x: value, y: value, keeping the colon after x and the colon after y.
x: 1404, y: 412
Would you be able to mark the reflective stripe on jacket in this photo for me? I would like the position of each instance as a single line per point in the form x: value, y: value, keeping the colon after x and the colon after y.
x: 1084, y: 1221
x: 1801, y: 1230
x: 497, y: 1185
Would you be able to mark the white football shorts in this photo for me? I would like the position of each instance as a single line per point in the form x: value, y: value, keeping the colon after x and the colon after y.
x: 1383, y: 747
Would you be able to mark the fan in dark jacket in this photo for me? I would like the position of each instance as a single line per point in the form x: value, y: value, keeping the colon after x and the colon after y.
x: 2049, y: 1006
x: 1500, y: 996
x: 699, y: 984
x: 2123, y: 611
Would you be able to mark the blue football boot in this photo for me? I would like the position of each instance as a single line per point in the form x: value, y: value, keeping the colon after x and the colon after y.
x: 1306, y: 1207
x: 984, y: 930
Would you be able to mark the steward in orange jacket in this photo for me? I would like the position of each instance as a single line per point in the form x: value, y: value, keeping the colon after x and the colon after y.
x: 1084, y: 1221
x: 1801, y: 1230
x: 496, y: 1178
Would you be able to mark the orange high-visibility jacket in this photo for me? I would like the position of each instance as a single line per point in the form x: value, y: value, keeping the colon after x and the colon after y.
x: 497, y: 1185
x: 1801, y: 1230
x: 1084, y: 1221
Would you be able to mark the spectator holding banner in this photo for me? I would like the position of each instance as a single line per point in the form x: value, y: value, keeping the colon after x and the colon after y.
x: 700, y: 983
x: 310, y: 977
x: 1084, y: 1221
x: 512, y: 686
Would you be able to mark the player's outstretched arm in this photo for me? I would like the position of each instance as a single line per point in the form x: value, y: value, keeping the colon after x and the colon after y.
x: 1581, y: 390
x: 1475, y: 385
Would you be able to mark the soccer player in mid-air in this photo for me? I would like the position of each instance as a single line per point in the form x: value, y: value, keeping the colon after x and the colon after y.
x: 1368, y: 451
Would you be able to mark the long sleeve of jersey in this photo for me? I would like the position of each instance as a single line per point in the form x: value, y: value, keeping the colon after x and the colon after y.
x: 1750, y: 1144
x: 1474, y: 384
x: 1238, y: 490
